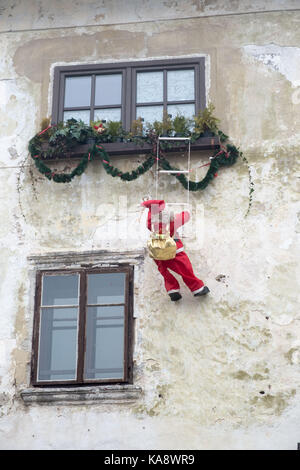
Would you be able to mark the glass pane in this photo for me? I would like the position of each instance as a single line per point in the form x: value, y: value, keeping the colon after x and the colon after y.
x: 83, y: 115
x: 58, y: 342
x: 186, y: 110
x: 150, y: 113
x: 108, y: 89
x: 104, y: 357
x: 77, y: 92
x: 60, y: 290
x: 106, y: 288
x: 113, y: 114
x: 181, y: 85
x: 149, y: 87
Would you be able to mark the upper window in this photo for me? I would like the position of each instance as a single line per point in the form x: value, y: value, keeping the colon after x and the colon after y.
x: 126, y: 91
x: 82, y: 327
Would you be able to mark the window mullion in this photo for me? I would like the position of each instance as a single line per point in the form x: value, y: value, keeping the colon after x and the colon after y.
x: 201, y: 84
x: 81, y: 328
x: 130, y: 97
x: 197, y: 89
x: 165, y: 91
x: 125, y: 357
x: 93, y: 97
x: 36, y: 329
x: 128, y: 327
x: 61, y: 97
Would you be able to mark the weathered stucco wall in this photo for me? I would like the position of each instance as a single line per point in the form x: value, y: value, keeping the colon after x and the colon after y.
x: 204, y: 364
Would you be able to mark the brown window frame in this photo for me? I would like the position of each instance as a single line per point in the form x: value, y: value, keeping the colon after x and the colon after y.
x: 129, y: 71
x: 81, y: 335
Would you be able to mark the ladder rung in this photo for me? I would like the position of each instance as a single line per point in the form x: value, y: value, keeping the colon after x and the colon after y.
x: 173, y: 171
x: 174, y: 138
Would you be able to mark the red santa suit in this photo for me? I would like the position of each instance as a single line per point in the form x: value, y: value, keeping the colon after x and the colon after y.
x: 181, y: 263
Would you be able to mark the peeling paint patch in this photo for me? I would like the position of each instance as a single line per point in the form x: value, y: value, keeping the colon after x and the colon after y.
x: 293, y: 355
x: 282, y: 59
x: 99, y: 18
x: 274, y: 403
x: 13, y: 153
x: 221, y: 278
x: 243, y: 375
x: 4, y: 398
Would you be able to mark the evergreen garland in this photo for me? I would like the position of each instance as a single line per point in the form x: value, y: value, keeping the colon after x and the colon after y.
x: 64, y: 137
x: 37, y: 153
x: 134, y: 174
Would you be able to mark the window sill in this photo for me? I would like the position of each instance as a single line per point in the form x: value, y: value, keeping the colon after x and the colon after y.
x: 107, y: 394
x: 129, y: 148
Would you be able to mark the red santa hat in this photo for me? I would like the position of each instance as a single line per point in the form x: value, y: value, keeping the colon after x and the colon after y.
x: 154, y: 205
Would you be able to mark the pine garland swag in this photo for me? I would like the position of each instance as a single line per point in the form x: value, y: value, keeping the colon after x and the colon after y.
x: 36, y: 152
x: 134, y: 174
x: 76, y: 132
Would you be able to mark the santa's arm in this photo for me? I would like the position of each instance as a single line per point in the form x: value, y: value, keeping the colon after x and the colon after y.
x: 181, y: 219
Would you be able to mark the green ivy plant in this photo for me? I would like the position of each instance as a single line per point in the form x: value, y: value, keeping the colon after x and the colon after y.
x: 75, y: 132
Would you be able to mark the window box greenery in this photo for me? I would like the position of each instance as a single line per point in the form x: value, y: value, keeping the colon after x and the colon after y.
x: 72, y: 140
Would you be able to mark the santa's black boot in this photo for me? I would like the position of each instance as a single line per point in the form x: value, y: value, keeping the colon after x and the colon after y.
x: 203, y: 291
x: 175, y: 296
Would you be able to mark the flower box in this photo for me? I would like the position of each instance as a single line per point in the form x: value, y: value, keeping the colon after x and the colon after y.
x: 129, y: 148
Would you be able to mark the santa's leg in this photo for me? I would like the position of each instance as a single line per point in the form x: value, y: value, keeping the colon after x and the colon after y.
x: 171, y: 283
x: 182, y: 265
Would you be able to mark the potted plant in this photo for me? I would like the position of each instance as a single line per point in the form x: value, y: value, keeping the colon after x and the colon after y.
x: 115, y: 131
x: 157, y: 127
x: 69, y: 133
x: 206, y: 124
x: 137, y: 127
x: 167, y: 125
x: 181, y: 126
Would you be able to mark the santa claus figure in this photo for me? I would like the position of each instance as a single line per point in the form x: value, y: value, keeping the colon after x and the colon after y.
x: 181, y: 263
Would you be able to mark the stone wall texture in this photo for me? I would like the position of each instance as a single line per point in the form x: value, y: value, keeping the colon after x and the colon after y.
x: 220, y: 372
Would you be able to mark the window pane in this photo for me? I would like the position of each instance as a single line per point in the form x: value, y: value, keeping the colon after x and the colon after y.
x: 83, y: 115
x: 58, y: 340
x: 186, y: 110
x: 104, y: 357
x: 113, y: 114
x: 150, y: 113
x: 77, y: 92
x: 60, y: 290
x: 149, y: 87
x: 108, y: 89
x: 181, y: 85
x: 106, y: 288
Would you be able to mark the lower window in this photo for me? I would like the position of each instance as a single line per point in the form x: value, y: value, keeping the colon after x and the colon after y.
x: 83, y: 326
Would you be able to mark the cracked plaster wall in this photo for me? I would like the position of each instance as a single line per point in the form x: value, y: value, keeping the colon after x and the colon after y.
x: 220, y: 372
x: 44, y: 14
